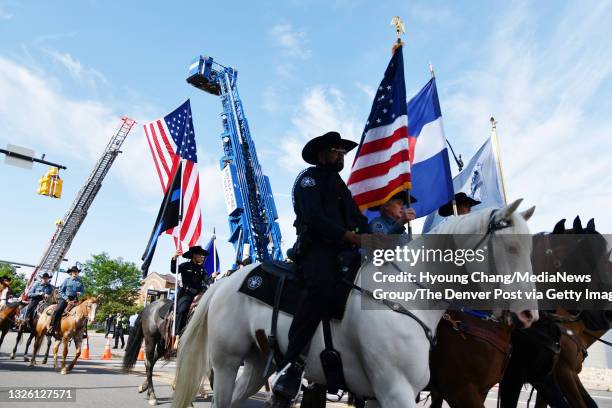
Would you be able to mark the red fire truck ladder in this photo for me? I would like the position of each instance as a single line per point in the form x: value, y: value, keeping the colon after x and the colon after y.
x: 68, y: 227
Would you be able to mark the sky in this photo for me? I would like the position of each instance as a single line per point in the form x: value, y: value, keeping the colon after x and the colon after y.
x: 70, y: 69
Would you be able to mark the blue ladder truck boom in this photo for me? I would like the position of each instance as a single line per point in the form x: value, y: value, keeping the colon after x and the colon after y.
x: 252, y: 214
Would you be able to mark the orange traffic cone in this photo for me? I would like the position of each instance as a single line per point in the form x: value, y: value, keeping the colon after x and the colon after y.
x: 85, y: 350
x: 141, y: 353
x: 107, y: 351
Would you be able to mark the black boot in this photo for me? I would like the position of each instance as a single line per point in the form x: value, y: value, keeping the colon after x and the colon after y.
x: 287, y: 385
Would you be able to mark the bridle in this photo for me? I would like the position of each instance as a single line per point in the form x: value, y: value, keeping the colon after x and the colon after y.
x: 492, y: 227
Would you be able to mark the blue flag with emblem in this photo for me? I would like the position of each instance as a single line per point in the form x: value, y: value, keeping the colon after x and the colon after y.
x: 211, y: 264
x: 167, y: 218
x: 480, y: 180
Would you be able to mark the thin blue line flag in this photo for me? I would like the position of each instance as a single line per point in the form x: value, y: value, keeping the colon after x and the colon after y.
x: 167, y: 218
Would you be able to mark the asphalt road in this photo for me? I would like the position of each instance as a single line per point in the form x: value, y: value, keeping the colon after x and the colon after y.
x: 100, y: 383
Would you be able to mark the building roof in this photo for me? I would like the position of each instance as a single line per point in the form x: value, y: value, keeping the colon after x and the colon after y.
x: 167, y: 277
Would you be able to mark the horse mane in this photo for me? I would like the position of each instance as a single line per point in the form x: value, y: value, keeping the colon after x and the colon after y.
x: 477, y: 222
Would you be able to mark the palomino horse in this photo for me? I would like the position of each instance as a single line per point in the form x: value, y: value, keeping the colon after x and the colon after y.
x: 7, y: 312
x: 385, y: 355
x: 27, y: 325
x: 549, y: 355
x: 72, y: 327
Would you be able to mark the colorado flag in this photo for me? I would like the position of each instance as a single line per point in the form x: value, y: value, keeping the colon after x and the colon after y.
x: 431, y: 175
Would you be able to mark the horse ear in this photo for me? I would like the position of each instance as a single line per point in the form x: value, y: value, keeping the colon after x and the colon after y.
x: 507, y: 211
x: 591, y: 226
x: 527, y: 213
x: 577, y: 225
x: 559, y: 227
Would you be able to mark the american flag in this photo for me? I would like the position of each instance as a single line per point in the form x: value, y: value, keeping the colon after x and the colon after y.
x: 170, y: 139
x: 382, y: 167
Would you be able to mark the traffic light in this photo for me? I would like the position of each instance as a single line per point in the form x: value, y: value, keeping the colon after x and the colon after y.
x: 51, y: 184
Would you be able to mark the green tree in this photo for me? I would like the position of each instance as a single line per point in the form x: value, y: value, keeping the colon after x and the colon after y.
x: 18, y: 282
x: 114, y: 282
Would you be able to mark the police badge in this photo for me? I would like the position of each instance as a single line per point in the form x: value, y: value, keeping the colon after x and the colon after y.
x: 307, y: 182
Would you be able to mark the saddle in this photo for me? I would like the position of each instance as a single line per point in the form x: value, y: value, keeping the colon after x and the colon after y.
x: 496, y: 334
x: 167, y: 311
x: 281, y: 285
x: 71, y: 304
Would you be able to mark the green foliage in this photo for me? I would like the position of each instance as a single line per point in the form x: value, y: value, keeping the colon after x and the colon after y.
x: 114, y: 282
x: 19, y: 281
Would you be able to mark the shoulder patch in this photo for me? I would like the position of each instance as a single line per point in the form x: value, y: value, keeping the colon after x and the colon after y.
x: 378, y: 227
x: 307, y: 182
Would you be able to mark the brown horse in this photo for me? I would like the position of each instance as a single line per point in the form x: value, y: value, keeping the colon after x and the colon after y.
x: 27, y: 325
x: 578, y: 333
x: 468, y: 359
x: 72, y: 327
x: 7, y: 313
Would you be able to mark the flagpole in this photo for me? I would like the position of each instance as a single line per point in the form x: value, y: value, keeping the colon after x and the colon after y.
x: 214, y: 250
x: 455, y: 212
x: 178, y: 246
x: 497, y: 157
x: 399, y: 30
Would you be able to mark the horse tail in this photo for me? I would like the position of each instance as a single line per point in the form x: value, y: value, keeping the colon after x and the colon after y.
x: 133, y: 345
x: 192, y: 362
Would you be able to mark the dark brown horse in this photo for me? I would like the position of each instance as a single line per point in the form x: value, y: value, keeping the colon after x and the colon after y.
x: 578, y: 333
x: 551, y: 356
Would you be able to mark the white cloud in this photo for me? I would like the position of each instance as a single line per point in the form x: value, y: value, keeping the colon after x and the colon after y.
x: 543, y: 89
x: 292, y: 41
x: 321, y: 110
x: 5, y: 15
x: 76, y: 70
x: 42, y: 118
x: 368, y: 90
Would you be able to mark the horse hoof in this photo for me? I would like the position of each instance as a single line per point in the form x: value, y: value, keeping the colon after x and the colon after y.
x: 26, y: 359
x: 64, y: 371
x: 44, y: 362
x: 141, y: 389
x: 12, y: 357
x: 153, y: 401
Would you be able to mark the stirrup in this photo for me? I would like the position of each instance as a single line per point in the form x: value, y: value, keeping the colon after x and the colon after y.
x: 288, y: 382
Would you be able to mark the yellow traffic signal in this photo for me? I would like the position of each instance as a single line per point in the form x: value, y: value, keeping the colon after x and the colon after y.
x: 50, y: 184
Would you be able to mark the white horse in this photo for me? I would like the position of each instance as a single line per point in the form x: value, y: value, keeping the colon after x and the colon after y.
x: 385, y: 354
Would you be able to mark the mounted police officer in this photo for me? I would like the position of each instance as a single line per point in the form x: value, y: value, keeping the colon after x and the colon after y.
x: 194, y: 279
x: 328, y: 222
x: 70, y: 290
x: 464, y: 205
x: 40, y: 291
x: 393, y: 215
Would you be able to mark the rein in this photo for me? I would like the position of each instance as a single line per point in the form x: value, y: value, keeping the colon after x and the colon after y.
x: 607, y: 343
x: 396, y: 307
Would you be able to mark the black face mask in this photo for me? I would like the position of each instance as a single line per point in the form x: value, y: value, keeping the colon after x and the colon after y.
x: 335, y: 167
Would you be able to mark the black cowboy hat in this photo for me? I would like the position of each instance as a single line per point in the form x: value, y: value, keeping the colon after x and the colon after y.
x: 330, y: 139
x: 402, y: 195
x: 73, y: 268
x: 460, y: 198
x: 195, y: 250
x: 45, y: 275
